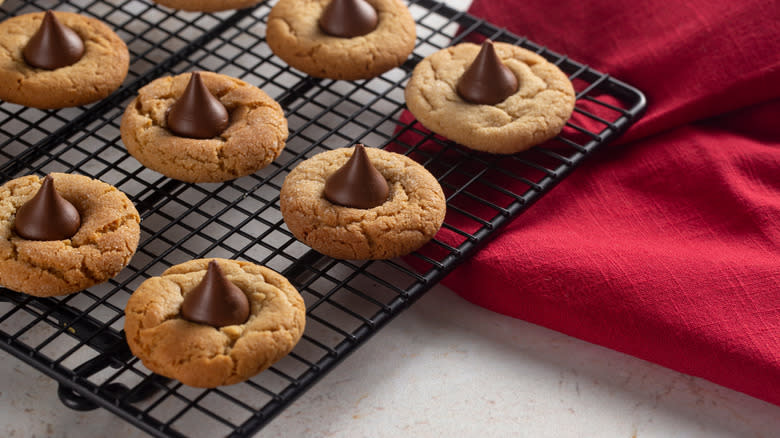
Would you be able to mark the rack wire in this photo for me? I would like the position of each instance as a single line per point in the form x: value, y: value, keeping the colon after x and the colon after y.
x: 78, y: 339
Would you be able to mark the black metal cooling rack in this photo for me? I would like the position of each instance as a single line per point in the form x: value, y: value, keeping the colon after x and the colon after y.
x: 78, y: 339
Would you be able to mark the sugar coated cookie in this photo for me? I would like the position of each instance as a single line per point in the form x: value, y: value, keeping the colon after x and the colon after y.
x: 205, y: 355
x: 409, y: 217
x: 95, y: 74
x: 534, y: 113
x: 104, y: 241
x: 296, y: 35
x: 253, y: 137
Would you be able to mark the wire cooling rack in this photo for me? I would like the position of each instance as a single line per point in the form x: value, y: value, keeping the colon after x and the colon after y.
x: 78, y: 339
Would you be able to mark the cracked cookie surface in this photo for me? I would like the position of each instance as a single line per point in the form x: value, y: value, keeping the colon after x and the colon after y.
x: 207, y: 5
x: 411, y: 216
x: 255, y: 136
x: 294, y: 35
x: 99, y: 72
x: 535, y: 113
x: 204, y: 356
x: 102, y: 246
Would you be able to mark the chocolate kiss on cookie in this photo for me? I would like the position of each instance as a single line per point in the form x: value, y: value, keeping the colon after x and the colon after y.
x: 47, y: 215
x: 53, y: 45
x: 357, y: 183
x: 348, y: 18
x: 487, y: 81
x: 197, y: 113
x: 215, y: 301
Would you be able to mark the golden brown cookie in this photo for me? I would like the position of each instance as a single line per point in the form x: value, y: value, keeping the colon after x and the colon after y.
x: 99, y: 72
x: 101, y: 247
x: 411, y: 216
x: 294, y: 35
x: 205, y: 356
x: 207, y: 5
x: 535, y: 113
x: 255, y: 136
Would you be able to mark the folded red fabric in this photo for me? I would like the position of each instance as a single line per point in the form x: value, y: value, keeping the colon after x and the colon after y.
x: 666, y: 245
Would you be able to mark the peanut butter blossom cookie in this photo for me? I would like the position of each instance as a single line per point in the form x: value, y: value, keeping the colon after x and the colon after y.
x: 207, y: 5
x: 213, y: 322
x: 362, y: 203
x: 495, y: 98
x: 341, y: 39
x: 59, y: 59
x: 63, y: 233
x: 203, y: 127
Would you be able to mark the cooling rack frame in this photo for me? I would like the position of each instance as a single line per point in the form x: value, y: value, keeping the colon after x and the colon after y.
x: 78, y: 341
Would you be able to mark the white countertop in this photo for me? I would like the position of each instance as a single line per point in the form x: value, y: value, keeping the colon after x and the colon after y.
x: 448, y: 368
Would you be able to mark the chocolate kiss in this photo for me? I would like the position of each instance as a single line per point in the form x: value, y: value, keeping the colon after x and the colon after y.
x: 215, y: 301
x: 197, y: 113
x: 54, y: 45
x: 357, y: 183
x: 47, y: 215
x: 487, y: 81
x: 348, y: 18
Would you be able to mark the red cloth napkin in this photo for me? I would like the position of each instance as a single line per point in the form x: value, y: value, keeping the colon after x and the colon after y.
x: 666, y: 245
